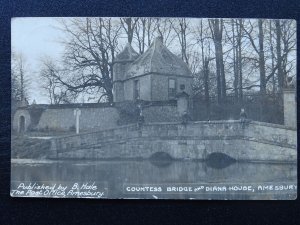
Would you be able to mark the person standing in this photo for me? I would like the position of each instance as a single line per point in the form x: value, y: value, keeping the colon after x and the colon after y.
x: 243, y: 117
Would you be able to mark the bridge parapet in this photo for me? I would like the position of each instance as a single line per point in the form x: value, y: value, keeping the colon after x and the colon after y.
x: 196, y: 140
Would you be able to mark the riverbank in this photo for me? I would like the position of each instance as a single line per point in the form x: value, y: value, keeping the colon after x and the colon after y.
x: 29, y: 148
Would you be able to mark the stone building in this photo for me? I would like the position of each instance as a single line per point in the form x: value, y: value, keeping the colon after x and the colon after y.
x: 156, y: 75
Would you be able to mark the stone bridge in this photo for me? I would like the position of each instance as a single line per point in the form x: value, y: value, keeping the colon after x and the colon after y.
x: 255, y: 141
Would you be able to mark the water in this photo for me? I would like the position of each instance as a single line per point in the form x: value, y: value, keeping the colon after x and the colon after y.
x: 115, y: 174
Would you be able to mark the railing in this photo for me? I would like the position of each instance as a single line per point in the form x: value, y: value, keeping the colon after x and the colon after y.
x: 266, y: 108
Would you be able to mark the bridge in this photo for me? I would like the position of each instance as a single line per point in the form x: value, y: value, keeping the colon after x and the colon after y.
x: 252, y: 141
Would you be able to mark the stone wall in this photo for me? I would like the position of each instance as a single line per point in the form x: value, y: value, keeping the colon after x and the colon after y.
x: 254, y: 142
x: 64, y: 119
x: 161, y: 113
x: 159, y: 86
x: 274, y: 133
x: 61, y: 117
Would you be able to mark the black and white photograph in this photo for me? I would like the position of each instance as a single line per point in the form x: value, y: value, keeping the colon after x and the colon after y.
x: 153, y: 108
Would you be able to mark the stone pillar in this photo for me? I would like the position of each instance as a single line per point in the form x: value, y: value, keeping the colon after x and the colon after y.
x: 77, y: 113
x: 290, y: 108
x: 182, y: 103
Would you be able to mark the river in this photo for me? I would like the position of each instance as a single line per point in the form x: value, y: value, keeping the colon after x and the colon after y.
x: 128, y: 179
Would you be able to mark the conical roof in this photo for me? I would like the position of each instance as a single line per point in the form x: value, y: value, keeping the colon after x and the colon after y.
x: 158, y: 59
x: 128, y: 54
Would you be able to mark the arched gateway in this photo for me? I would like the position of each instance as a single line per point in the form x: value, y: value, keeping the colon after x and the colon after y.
x: 21, y: 124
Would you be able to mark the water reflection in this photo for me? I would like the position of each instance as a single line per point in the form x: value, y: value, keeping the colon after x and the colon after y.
x: 219, y: 160
x: 116, y: 173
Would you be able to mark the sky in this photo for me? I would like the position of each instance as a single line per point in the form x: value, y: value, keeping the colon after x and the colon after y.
x: 34, y: 38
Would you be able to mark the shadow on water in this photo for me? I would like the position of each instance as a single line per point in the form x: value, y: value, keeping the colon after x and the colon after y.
x: 161, y: 159
x: 218, y: 160
x: 215, y: 160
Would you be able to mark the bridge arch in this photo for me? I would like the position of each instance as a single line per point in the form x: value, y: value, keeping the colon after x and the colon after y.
x: 161, y: 155
x: 219, y: 156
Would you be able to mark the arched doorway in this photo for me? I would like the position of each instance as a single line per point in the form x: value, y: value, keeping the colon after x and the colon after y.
x: 22, y: 124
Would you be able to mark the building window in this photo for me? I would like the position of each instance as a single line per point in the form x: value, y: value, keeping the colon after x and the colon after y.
x: 172, y: 88
x: 136, y: 90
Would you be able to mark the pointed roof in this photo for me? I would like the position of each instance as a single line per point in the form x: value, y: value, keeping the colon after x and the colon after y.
x: 128, y: 54
x: 158, y: 59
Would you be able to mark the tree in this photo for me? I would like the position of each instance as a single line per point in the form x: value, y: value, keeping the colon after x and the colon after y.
x: 239, y: 25
x: 141, y: 33
x: 216, y: 27
x: 261, y: 54
x: 165, y: 30
x: 91, y: 47
x: 56, y: 92
x: 246, y: 55
x: 129, y: 24
x: 19, y: 78
x: 272, y: 56
x: 259, y: 50
x: 268, y: 71
x: 235, y: 64
x: 285, y: 44
x: 180, y: 26
x: 206, y: 58
x: 279, y: 59
x: 145, y: 31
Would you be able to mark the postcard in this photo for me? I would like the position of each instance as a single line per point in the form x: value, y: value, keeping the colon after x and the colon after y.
x: 153, y: 108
